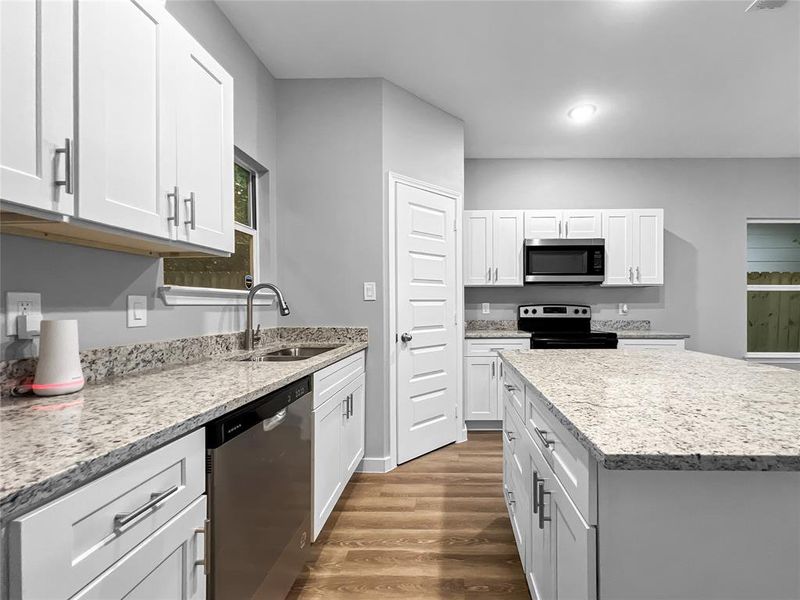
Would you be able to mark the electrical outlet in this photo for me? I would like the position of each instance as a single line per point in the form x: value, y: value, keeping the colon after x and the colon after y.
x: 19, y: 304
x: 485, y: 309
x: 622, y: 308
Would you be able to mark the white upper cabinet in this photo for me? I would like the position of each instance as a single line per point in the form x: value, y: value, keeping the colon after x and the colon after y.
x: 634, y: 246
x: 507, y: 239
x: 554, y: 224
x: 618, y: 227
x: 122, y: 178
x: 543, y: 224
x: 36, y: 104
x: 583, y: 224
x: 478, y: 267
x: 493, y: 247
x: 202, y: 95
x: 648, y: 246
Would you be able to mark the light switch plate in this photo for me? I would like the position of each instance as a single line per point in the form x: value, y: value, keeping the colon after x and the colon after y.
x: 622, y: 308
x: 21, y: 303
x: 370, y: 293
x: 137, y: 311
x: 485, y: 308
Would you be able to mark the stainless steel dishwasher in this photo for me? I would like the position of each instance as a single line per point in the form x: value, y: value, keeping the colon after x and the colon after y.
x: 259, y: 485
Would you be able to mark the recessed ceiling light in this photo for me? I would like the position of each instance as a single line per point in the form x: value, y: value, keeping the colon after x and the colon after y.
x: 582, y: 112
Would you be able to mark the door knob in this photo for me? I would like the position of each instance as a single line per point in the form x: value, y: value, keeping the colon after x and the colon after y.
x: 406, y: 337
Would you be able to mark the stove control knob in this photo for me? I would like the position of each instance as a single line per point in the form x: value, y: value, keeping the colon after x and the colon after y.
x: 525, y: 311
x: 533, y: 311
x: 577, y: 311
x: 584, y: 311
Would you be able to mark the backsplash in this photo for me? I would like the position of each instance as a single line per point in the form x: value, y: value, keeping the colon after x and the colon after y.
x: 114, y: 361
x: 597, y: 324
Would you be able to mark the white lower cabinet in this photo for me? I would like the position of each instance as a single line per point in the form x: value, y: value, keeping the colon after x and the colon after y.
x: 128, y: 532
x: 338, y: 436
x: 484, y: 376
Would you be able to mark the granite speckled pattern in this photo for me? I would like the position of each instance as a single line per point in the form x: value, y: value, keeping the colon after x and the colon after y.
x: 643, y: 334
x: 114, y: 361
x: 620, y: 324
x: 624, y: 328
x: 656, y: 410
x: 495, y: 333
x: 52, y: 445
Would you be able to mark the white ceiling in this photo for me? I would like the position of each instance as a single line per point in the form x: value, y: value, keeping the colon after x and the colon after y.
x: 670, y: 78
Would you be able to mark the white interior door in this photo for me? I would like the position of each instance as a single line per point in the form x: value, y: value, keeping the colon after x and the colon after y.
x: 36, y: 98
x: 478, y: 247
x: 618, y: 232
x: 121, y: 79
x: 507, y: 238
x: 426, y: 298
x: 542, y: 224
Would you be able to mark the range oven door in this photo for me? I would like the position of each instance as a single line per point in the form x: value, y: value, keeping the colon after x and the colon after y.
x: 564, y: 261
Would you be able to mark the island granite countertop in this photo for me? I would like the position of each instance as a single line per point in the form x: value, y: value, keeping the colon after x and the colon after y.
x: 661, y: 410
x: 52, y: 445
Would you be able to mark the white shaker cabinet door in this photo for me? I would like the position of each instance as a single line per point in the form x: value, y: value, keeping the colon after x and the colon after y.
x: 167, y: 565
x: 122, y: 49
x: 353, y: 430
x: 328, y: 480
x: 583, y: 224
x: 572, y: 550
x: 202, y: 94
x: 648, y: 246
x: 618, y: 233
x: 543, y: 224
x: 478, y: 265
x: 481, y: 388
x: 507, y: 238
x: 36, y: 103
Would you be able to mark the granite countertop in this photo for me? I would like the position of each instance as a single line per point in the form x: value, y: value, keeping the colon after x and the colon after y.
x: 52, y: 445
x: 495, y: 333
x: 623, y: 334
x: 659, y: 410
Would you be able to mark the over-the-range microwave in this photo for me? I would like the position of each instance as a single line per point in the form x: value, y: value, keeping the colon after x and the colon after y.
x: 565, y: 261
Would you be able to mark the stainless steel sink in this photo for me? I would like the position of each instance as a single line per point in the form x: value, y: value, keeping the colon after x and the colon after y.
x: 290, y: 354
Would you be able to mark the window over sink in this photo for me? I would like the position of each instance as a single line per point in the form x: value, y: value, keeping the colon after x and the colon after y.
x: 773, y: 290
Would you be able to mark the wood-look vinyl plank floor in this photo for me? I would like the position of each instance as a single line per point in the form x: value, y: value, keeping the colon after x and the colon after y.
x: 434, y: 528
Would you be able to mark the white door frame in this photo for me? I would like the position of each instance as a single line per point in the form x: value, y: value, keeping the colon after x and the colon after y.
x: 390, y: 351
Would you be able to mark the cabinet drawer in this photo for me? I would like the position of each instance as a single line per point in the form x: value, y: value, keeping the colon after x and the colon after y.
x: 513, y: 390
x: 575, y: 469
x: 651, y: 344
x: 334, y: 377
x: 58, y: 549
x: 490, y: 347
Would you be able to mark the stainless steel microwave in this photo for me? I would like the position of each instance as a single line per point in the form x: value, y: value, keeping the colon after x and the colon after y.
x: 565, y: 261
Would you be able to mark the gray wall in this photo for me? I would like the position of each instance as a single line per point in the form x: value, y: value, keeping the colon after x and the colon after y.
x: 706, y: 203
x: 92, y: 285
x: 336, y: 141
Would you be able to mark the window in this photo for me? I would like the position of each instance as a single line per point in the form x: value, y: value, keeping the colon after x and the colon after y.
x: 773, y: 290
x: 218, y: 272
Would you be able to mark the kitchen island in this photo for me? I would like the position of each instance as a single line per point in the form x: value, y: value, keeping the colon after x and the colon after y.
x: 647, y: 474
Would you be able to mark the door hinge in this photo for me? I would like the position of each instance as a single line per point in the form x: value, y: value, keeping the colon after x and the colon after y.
x: 455, y: 224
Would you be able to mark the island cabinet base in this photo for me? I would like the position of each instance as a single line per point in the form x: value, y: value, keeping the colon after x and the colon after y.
x: 585, y: 532
x: 698, y: 534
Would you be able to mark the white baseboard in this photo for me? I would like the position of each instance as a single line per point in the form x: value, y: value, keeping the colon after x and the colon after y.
x: 370, y: 464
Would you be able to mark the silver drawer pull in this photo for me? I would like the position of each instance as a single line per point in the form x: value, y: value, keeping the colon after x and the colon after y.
x: 510, y: 388
x: 205, y: 530
x: 542, y: 494
x: 191, y: 221
x: 510, y: 435
x: 175, y: 196
x: 511, y: 497
x: 67, y: 152
x: 535, y: 489
x: 541, y: 434
x: 122, y: 519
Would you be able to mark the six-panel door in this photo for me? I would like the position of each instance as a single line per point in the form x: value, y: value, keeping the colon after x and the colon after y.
x: 122, y: 59
x: 36, y: 95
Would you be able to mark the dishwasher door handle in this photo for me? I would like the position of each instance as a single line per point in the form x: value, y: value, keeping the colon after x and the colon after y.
x: 273, y: 422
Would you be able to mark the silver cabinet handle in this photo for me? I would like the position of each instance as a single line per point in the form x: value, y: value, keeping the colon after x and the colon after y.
x: 638, y: 275
x: 175, y: 196
x: 501, y: 368
x: 566, y: 229
x: 542, y: 494
x: 559, y: 228
x: 406, y: 337
x: 346, y: 406
x: 67, y: 152
x: 630, y: 274
x: 541, y: 434
x: 492, y: 369
x: 190, y: 201
x: 123, y: 519
x: 509, y: 387
x: 273, y: 422
x: 495, y: 274
x: 489, y: 275
x: 535, y: 489
x: 205, y: 530
x: 511, y: 497
x: 350, y: 407
x: 510, y: 435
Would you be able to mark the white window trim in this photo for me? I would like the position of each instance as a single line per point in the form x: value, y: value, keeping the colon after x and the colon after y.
x: 180, y: 295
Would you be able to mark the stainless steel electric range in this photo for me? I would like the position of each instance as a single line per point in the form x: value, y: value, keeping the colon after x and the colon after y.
x: 562, y: 326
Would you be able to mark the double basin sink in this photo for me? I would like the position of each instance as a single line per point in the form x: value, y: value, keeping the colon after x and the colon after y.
x: 290, y: 354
